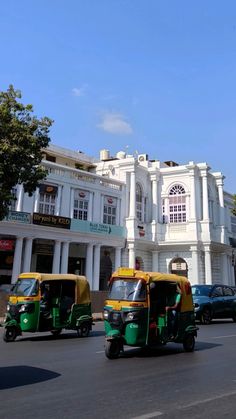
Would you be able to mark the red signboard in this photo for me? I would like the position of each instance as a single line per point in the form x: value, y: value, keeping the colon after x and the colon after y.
x: 6, y: 244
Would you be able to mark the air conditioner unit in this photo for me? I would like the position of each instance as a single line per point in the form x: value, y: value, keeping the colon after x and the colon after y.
x: 142, y: 157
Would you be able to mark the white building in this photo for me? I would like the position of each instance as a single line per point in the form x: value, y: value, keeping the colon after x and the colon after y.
x: 178, y: 218
x: 92, y: 216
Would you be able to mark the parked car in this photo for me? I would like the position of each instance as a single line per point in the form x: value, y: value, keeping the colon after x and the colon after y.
x: 214, y: 302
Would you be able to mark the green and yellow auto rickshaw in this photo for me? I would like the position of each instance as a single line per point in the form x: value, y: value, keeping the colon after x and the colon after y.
x: 48, y: 302
x: 137, y: 313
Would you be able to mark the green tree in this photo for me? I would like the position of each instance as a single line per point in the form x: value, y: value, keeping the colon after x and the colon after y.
x: 22, y: 137
x: 234, y: 203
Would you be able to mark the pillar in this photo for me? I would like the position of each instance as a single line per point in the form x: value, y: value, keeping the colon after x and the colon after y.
x: 89, y: 264
x: 208, y: 273
x: 132, y: 198
x: 20, y: 194
x: 96, y: 267
x: 131, y: 250
x: 155, y: 261
x: 64, y: 257
x: 27, y: 254
x: 17, y: 259
x: 117, y: 257
x: 56, y: 257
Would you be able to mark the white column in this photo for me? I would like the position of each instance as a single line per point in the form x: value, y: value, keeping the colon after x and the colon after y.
x: 58, y: 202
x: 193, y: 196
x: 89, y: 264
x: 20, y: 194
x: 27, y: 254
x: 64, y: 257
x: 117, y: 257
x: 155, y: 261
x: 195, y: 264
x: 132, y: 202
x: 96, y: 267
x: 36, y: 200
x: 17, y: 259
x: 90, y: 207
x: 56, y: 257
x: 224, y: 259
x: 131, y: 249
x: 118, y: 211
x: 221, y: 199
x: 101, y: 209
x: 154, y: 200
x: 208, y: 273
x: 205, y: 197
x: 72, y: 197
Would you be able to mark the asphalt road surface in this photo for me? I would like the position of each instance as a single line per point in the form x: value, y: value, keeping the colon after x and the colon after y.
x: 69, y: 377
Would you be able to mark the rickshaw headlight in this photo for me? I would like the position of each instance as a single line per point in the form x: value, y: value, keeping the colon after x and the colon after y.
x: 8, y: 307
x: 105, y: 315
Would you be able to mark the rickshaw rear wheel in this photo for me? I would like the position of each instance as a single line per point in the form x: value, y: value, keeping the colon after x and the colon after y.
x: 189, y: 342
x: 56, y: 332
x: 84, y: 330
x: 10, y: 334
x: 112, y: 349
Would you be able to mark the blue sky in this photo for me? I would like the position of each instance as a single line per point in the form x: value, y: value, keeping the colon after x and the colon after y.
x: 157, y: 77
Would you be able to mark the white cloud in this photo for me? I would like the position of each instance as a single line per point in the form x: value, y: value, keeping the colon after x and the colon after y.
x: 79, y: 91
x: 115, y: 123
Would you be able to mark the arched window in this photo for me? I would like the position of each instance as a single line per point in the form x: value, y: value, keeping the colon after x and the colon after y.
x: 177, y: 204
x: 139, y: 202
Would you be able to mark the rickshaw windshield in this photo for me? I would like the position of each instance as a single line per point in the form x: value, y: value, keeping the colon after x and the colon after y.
x: 25, y: 287
x: 126, y: 289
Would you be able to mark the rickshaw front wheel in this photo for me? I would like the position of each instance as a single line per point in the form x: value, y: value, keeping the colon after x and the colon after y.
x: 189, y: 342
x: 112, y: 348
x: 84, y: 330
x: 10, y: 334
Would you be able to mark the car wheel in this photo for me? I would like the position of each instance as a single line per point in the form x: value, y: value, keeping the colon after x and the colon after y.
x: 112, y: 348
x: 206, y: 316
x: 10, y: 334
x: 189, y: 342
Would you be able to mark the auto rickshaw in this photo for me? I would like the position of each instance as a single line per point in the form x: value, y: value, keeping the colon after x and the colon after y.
x: 135, y: 311
x: 48, y: 302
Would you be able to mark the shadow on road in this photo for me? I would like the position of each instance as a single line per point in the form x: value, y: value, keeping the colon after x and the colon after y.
x: 169, y: 349
x: 22, y: 375
x: 62, y: 336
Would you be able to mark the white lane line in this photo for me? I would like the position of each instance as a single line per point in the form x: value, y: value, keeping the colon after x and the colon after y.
x: 99, y: 352
x: 149, y: 415
x: 209, y: 399
x: 221, y: 337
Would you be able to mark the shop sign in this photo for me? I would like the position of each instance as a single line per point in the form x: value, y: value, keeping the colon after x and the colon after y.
x: 18, y: 217
x: 98, y: 228
x: 6, y: 244
x: 51, y: 220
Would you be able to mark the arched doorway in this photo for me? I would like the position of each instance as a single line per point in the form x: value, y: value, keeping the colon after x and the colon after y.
x: 179, y: 266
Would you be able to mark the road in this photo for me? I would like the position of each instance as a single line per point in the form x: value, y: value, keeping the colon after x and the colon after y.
x: 69, y: 377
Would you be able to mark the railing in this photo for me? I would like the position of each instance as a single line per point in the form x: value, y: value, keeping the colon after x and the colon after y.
x: 81, y: 175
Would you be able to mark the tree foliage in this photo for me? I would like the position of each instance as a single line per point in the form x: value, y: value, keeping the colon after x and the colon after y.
x: 234, y: 208
x: 22, y: 137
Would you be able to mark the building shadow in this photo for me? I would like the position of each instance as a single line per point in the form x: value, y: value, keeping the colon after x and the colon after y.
x: 22, y: 375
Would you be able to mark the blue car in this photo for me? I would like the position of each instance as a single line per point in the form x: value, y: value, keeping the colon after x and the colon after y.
x: 214, y: 302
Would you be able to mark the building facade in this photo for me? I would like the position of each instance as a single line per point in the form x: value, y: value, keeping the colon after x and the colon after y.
x: 91, y: 216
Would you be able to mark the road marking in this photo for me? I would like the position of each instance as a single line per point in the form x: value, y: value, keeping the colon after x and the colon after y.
x: 209, y: 399
x: 99, y: 352
x: 149, y: 415
x: 221, y: 337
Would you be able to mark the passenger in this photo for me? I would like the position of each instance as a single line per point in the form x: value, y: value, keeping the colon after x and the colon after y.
x: 172, y: 312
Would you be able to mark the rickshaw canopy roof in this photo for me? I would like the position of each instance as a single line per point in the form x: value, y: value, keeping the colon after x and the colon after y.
x: 82, y: 294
